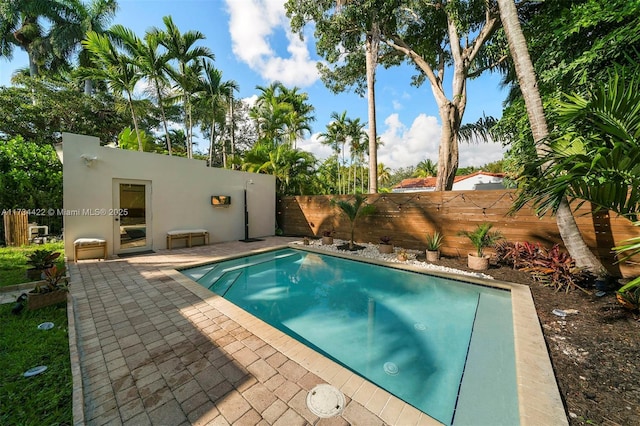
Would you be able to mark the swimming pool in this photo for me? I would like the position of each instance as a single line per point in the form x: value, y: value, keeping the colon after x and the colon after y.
x: 443, y: 346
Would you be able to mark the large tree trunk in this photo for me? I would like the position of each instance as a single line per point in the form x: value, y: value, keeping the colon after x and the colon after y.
x: 567, y: 226
x: 372, y: 46
x: 448, y: 155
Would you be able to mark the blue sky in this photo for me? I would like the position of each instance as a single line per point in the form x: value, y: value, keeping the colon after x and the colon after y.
x: 253, y: 45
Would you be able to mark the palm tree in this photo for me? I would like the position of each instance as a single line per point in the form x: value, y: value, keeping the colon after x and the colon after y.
x: 426, y: 168
x: 294, y: 169
x: 354, y: 210
x: 271, y: 115
x: 336, y: 137
x: 598, y: 157
x: 214, y: 100
x: 356, y: 146
x: 181, y: 48
x: 94, y: 16
x: 152, y: 64
x: 384, y: 173
x: 118, y: 70
x: 282, y: 115
x: 21, y: 24
x: 528, y: 86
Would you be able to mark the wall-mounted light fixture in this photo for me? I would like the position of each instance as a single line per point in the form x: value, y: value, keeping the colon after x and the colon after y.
x: 88, y: 159
x: 220, y: 200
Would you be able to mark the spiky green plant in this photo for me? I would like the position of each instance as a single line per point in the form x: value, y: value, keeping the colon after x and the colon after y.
x: 482, y: 237
x: 353, y: 210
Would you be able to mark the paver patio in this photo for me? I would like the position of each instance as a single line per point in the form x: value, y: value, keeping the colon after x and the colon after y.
x: 154, y: 348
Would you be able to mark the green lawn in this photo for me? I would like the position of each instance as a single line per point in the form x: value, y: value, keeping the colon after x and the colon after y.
x: 13, y: 262
x: 44, y: 399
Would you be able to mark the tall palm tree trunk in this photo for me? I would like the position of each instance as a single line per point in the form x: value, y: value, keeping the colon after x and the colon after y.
x: 212, y: 139
x: 372, y: 46
x: 135, y: 122
x: 567, y: 225
x: 233, y: 131
x: 164, y: 118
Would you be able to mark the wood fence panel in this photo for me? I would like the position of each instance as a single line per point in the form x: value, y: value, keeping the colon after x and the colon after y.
x: 16, y: 228
x: 408, y: 217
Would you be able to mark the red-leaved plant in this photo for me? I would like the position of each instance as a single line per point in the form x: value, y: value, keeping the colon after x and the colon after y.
x: 551, y: 267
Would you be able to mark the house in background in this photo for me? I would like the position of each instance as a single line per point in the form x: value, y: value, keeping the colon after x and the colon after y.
x: 133, y: 199
x: 475, y: 181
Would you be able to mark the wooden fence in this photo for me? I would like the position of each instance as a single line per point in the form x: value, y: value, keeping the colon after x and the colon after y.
x: 408, y: 217
x: 15, y: 228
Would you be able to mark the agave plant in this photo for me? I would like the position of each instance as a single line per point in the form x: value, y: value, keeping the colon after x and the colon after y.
x: 434, y: 241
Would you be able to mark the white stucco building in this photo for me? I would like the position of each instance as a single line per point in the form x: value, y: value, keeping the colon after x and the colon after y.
x: 475, y: 181
x: 133, y: 199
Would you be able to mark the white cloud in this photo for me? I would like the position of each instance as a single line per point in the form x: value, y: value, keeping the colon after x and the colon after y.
x: 404, y: 146
x: 314, y: 146
x: 407, y: 146
x: 251, y: 24
x: 481, y: 153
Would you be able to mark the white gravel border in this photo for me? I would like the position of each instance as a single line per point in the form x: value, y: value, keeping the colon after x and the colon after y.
x: 371, y: 252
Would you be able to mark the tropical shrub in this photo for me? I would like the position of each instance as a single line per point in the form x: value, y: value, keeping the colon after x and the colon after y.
x: 482, y: 237
x: 551, y: 267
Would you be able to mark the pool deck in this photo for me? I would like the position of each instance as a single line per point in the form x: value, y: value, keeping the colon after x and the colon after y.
x: 151, y: 347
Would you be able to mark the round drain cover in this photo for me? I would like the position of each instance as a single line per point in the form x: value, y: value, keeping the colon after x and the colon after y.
x: 325, y: 401
x: 391, y: 368
x: 419, y: 326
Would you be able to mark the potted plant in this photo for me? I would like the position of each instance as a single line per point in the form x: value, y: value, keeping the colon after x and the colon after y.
x: 481, y: 237
x: 402, y: 255
x: 434, y: 241
x: 53, y: 289
x: 327, y: 238
x: 40, y: 260
x: 385, y: 246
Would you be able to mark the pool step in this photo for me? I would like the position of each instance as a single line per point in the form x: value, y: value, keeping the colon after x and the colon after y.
x: 224, y: 283
x: 219, y: 270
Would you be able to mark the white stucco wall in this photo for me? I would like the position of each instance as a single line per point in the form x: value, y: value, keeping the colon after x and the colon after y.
x: 476, y: 182
x: 181, y: 191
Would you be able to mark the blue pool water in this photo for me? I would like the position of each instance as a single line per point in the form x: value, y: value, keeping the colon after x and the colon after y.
x: 443, y: 346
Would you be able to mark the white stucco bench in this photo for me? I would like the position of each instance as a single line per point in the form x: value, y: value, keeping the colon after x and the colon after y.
x: 87, y: 244
x: 188, y: 235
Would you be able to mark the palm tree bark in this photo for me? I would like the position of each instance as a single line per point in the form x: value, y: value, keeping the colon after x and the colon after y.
x: 164, y: 118
x: 135, y: 122
x: 567, y: 225
x: 372, y: 46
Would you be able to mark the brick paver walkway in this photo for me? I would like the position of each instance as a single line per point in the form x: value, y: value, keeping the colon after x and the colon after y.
x: 154, y: 349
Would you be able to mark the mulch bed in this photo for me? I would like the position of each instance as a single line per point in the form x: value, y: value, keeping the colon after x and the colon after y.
x: 595, y: 353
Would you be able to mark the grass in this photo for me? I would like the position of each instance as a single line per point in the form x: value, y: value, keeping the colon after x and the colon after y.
x: 13, y: 262
x: 44, y: 399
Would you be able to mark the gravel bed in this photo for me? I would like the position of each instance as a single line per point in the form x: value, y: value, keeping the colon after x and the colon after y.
x: 370, y: 251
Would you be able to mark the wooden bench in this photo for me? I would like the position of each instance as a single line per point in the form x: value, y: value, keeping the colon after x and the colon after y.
x: 88, y: 244
x: 188, y: 235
